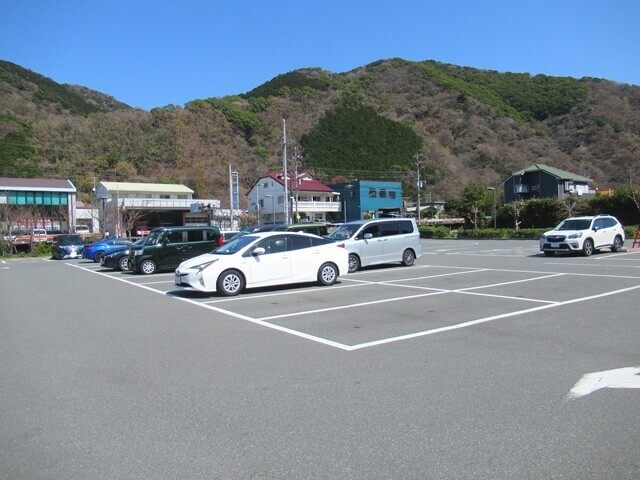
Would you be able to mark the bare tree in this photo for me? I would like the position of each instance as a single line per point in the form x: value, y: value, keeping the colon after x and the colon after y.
x: 130, y: 218
x: 474, y: 215
x: 9, y: 217
x: 515, y: 209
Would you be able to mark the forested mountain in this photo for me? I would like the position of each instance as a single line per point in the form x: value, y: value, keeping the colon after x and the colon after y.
x: 369, y: 123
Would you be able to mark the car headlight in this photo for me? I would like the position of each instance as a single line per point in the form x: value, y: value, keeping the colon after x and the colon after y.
x: 543, y: 237
x: 573, y: 236
x: 137, y: 252
x: 202, y: 266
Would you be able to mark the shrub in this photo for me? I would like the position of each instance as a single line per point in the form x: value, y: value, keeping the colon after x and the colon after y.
x: 435, y: 232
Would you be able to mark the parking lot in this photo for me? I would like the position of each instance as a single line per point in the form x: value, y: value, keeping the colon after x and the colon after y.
x: 435, y: 296
x: 477, y: 362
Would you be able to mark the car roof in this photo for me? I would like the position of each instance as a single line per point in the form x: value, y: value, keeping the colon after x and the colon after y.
x: 281, y: 232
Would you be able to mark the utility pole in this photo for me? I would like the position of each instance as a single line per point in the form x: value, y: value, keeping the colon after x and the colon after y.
x: 418, y: 183
x: 284, y: 171
x: 233, y: 195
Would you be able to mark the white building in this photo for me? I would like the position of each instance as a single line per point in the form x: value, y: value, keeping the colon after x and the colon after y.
x: 308, y: 199
x: 133, y: 208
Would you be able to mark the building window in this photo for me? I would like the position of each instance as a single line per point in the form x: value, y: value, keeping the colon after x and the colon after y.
x: 183, y: 197
x: 383, y: 193
x: 392, y: 194
x: 165, y: 197
x: 372, y: 193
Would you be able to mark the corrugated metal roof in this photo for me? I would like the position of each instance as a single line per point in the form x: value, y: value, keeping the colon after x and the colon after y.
x: 147, y: 187
x: 31, y: 184
x: 556, y: 172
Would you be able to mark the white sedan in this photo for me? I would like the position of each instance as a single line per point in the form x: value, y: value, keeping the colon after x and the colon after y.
x: 264, y: 259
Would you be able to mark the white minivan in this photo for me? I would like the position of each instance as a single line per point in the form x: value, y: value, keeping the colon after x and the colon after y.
x: 385, y: 240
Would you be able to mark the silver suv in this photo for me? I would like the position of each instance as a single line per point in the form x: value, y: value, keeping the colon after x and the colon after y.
x: 585, y: 235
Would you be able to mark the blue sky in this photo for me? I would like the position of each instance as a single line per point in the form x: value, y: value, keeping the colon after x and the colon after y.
x: 154, y: 53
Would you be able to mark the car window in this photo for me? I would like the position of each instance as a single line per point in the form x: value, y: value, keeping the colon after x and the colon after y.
x: 389, y: 228
x: 297, y: 243
x: 406, y: 226
x: 195, y: 235
x: 210, y: 235
x: 273, y: 244
x: 174, y: 237
x: 575, y: 224
x: 372, y: 229
x: 320, y: 241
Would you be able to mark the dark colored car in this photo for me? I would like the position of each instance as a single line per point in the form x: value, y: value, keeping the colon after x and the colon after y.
x: 95, y: 250
x: 319, y: 229
x: 119, y: 258
x: 167, y: 247
x: 67, y: 246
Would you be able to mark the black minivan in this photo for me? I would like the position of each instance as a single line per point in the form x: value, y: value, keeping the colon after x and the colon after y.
x: 167, y: 247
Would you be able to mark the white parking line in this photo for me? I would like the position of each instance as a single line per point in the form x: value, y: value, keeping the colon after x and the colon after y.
x: 264, y: 321
x: 483, y: 320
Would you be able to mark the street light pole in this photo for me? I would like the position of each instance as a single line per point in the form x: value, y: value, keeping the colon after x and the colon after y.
x: 494, y: 205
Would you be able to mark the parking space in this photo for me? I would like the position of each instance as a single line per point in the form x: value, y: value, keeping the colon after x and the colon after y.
x: 446, y: 290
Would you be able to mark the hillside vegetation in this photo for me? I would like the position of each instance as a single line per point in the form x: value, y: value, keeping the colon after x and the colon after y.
x: 369, y: 123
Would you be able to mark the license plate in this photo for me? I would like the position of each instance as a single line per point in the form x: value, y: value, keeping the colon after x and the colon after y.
x: 555, y: 245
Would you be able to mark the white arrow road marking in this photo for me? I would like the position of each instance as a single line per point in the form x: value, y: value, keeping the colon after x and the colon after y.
x: 619, y: 378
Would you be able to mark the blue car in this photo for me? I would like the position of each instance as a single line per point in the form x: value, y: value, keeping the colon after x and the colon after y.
x: 94, y: 251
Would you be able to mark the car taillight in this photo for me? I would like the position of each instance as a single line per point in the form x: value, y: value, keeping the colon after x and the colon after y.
x: 220, y: 241
x: 341, y: 245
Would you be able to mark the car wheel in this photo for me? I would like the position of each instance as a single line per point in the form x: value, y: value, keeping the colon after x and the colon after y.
x: 354, y: 263
x: 97, y: 257
x: 408, y: 258
x: 148, y: 267
x: 123, y: 263
x: 328, y: 274
x: 230, y: 282
x: 549, y: 254
x: 587, y: 247
x: 617, y: 244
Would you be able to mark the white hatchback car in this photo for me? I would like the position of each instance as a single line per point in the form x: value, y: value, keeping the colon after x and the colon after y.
x: 584, y: 235
x: 264, y: 259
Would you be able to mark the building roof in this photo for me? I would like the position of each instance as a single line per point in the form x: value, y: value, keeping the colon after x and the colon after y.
x: 306, y: 183
x: 556, y: 172
x: 147, y: 187
x: 37, y: 184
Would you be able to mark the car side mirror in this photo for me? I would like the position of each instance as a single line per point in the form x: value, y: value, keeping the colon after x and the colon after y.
x: 258, y: 251
x: 368, y: 236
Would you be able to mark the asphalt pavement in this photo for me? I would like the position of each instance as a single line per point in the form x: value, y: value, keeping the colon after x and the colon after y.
x: 484, y: 360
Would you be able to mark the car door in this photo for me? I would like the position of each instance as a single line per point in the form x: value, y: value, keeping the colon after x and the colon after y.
x: 601, y: 233
x: 274, y: 265
x: 305, y: 258
x: 371, y: 245
x: 392, y: 241
x: 172, y: 250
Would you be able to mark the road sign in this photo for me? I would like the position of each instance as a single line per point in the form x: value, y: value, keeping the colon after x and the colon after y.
x: 619, y: 378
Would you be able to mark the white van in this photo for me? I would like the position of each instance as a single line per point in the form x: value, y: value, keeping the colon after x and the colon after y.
x: 385, y: 240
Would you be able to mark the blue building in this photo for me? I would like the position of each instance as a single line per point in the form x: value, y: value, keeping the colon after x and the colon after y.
x: 368, y: 199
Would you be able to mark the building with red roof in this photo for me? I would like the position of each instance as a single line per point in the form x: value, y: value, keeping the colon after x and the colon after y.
x: 308, y: 199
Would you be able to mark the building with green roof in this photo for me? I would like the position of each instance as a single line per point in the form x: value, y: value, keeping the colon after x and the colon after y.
x: 542, y: 181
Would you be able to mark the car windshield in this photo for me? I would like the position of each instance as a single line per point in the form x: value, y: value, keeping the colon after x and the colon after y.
x: 575, y: 224
x: 69, y: 240
x: 154, y: 237
x: 344, y: 231
x: 235, y: 245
